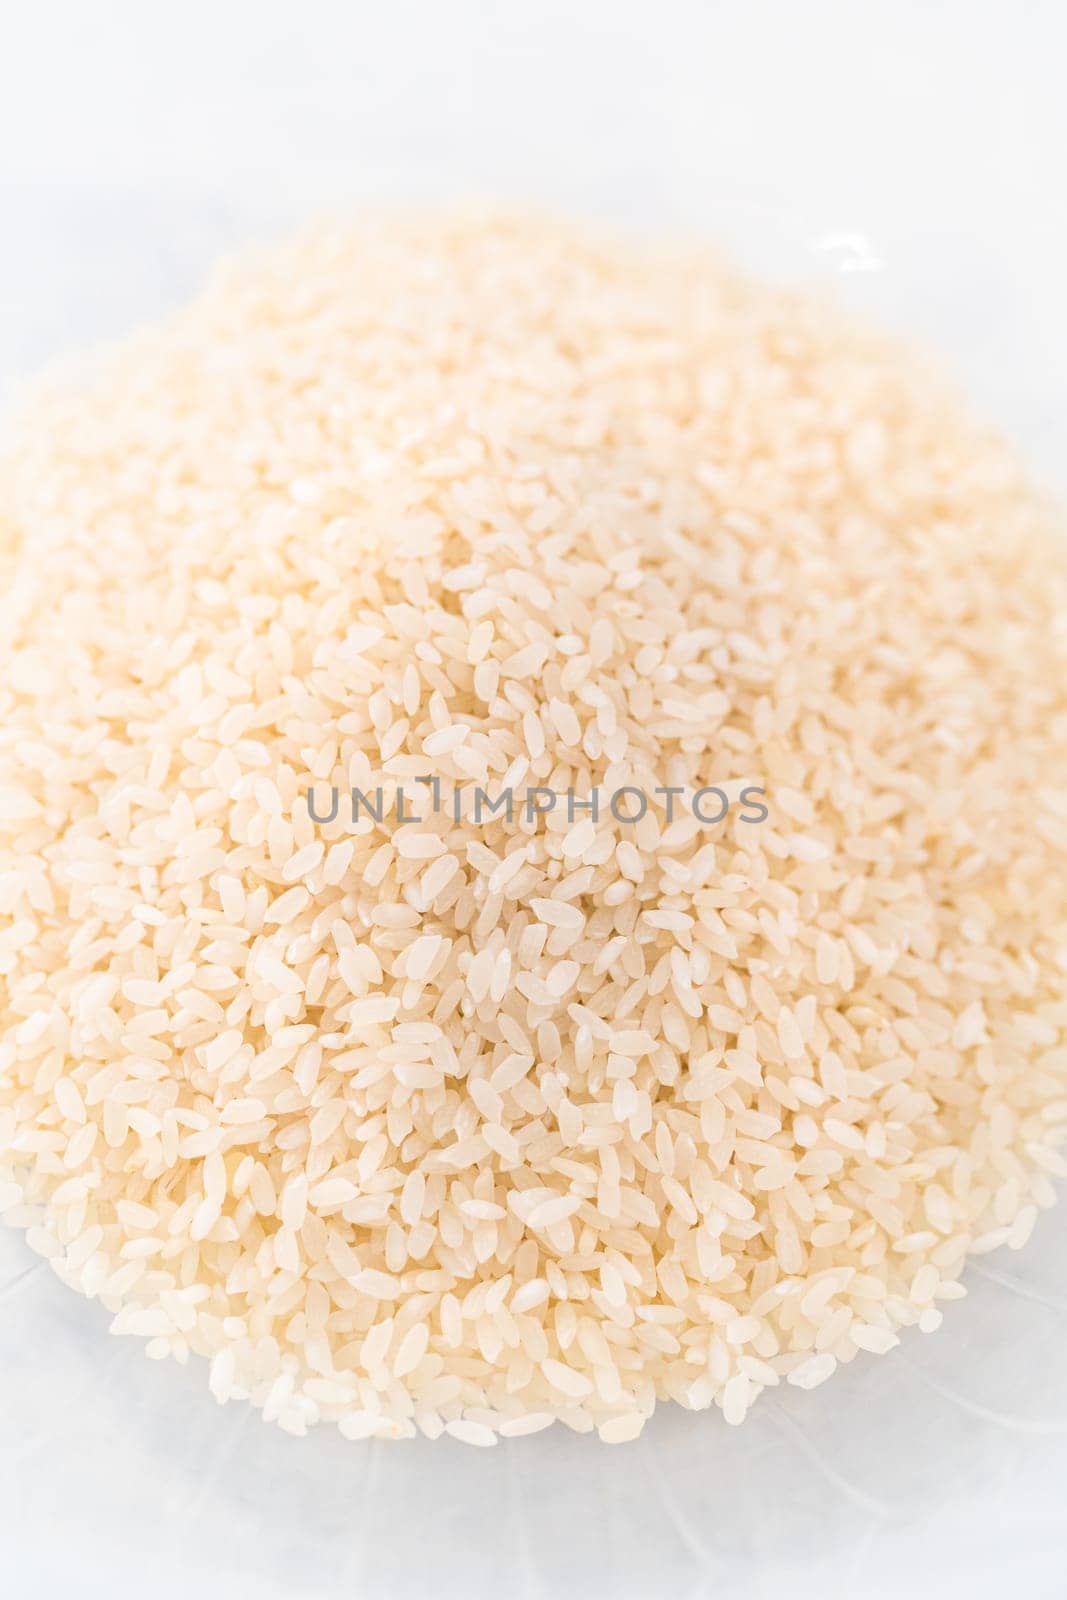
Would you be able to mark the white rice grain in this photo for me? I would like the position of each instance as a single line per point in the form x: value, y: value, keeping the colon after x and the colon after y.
x: 421, y: 1123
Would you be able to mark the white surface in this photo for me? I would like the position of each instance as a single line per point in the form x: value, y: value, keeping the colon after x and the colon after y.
x: 912, y: 151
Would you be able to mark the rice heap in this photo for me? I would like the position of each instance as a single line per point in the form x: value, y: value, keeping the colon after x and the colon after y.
x: 464, y: 1128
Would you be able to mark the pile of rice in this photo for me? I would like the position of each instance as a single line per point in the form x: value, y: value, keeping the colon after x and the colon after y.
x: 460, y: 1128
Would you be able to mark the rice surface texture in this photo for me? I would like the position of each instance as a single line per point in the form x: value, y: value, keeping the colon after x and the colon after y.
x: 460, y: 1124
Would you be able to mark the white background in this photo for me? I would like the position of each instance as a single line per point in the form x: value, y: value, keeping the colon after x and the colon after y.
x: 912, y: 153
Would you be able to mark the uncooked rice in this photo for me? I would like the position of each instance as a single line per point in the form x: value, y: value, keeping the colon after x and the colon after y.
x: 465, y: 1130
